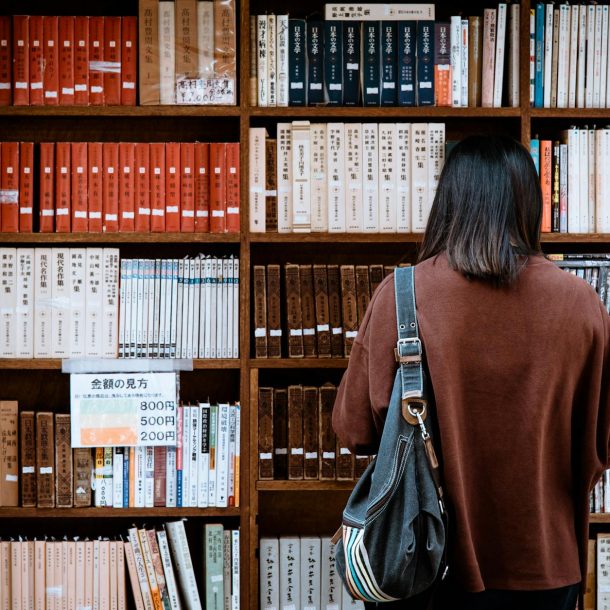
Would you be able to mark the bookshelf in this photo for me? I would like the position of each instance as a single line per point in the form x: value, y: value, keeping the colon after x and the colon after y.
x: 267, y: 507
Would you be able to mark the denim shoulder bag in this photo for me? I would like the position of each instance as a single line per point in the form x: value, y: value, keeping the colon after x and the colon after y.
x: 394, y: 527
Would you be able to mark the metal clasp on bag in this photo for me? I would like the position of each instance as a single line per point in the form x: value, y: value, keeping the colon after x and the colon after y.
x: 415, y: 411
x: 414, y: 359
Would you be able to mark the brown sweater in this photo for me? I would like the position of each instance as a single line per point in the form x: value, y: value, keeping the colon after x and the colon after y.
x: 521, y: 381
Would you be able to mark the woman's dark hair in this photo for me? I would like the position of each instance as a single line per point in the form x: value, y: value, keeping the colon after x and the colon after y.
x: 487, y: 210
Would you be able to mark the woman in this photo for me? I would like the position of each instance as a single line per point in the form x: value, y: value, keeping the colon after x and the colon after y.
x: 518, y: 353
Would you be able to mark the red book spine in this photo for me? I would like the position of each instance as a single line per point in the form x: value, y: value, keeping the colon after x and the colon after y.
x: 51, y: 61
x: 126, y: 186
x: 96, y: 58
x: 172, y: 187
x: 26, y: 186
x: 81, y: 61
x: 47, y: 187
x: 110, y: 199
x: 202, y: 187
x: 9, y: 187
x: 546, y: 182
x: 66, y: 61
x: 21, y: 60
x: 129, y: 60
x: 218, y: 187
x: 157, y: 187
x: 36, y: 60
x: 80, y: 173
x: 62, y: 187
x: 142, y: 187
x: 233, y: 187
x: 96, y: 189
x: 187, y: 187
x: 112, y: 61
x: 6, y: 97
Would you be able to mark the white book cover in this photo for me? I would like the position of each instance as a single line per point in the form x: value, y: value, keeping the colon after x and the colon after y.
x: 171, y: 495
x: 146, y: 302
x: 608, y: 70
x: 403, y: 177
x: 348, y: 602
x: 226, y: 265
x: 213, y: 306
x: 122, y: 282
x: 149, y: 473
x: 141, y: 307
x: 195, y: 317
x: 186, y: 456
x: 583, y: 166
x: 301, y: 185
x: 284, y: 177
x: 592, y: 164
x: 602, y: 553
x: 110, y: 306
x: 77, y: 283
x: 202, y: 307
x: 269, y: 574
x: 573, y: 55
x: 282, y: 60
x: 163, y: 302
x: 180, y: 309
x: 128, y: 307
x: 117, y: 476
x: 222, y: 452
x: 548, y: 54
x: 456, y: 60
x: 24, y: 310
x: 464, y: 56
x: 151, y: 302
x: 140, y: 477
x: 204, y: 456
x: 271, y: 61
x: 235, y: 580
x: 370, y: 143
x: 219, y: 307
x: 60, y: 293
x: 573, y: 140
x: 154, y: 331
x: 174, y: 313
x: 42, y: 302
x: 419, y: 176
x: 336, y: 150
x: 209, y: 305
x: 387, y: 177
x: 236, y: 308
x: 513, y: 60
x: 290, y: 572
x: 194, y: 455
x: 229, y: 308
x: 597, y: 56
x: 582, y: 50
x: 262, y: 63
x: 353, y: 176
x: 133, y: 340
x: 436, y: 148
x: 330, y: 586
x: 590, y: 55
x: 205, y: 38
x: 256, y: 179
x: 167, y: 52
x: 563, y: 60
x: 319, y: 200
x: 604, y: 57
x: 500, y: 50
x: 376, y: 12
x: 188, y: 312
x: 604, y: 196
x: 310, y: 572
x: 600, y: 182
x: 184, y: 566
x: 168, y: 570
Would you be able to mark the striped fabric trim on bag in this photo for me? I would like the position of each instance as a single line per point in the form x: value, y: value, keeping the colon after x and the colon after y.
x: 359, y: 575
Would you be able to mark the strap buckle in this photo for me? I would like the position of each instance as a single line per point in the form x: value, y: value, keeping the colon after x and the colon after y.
x: 411, y: 359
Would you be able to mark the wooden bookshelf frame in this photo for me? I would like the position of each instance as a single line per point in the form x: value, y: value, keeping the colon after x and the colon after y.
x: 140, y: 123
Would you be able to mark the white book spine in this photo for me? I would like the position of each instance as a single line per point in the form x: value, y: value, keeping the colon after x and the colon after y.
x: 456, y: 60
x: 231, y: 460
x: 140, y: 477
x: 25, y: 303
x: 310, y: 572
x: 212, y: 479
x: 590, y: 54
x: 403, y: 177
x: 149, y: 472
x: 330, y: 586
x: 489, y: 56
x: 257, y: 179
x: 193, y: 456
x: 284, y: 177
x: 219, y: 307
x: 122, y: 281
x: 42, y: 302
x: 110, y: 306
x: 168, y: 570
x: 607, y: 92
x: 60, y: 293
x: 573, y: 56
x: 387, y: 177
x: 205, y: 38
x: 152, y: 303
x: 133, y: 340
x: 336, y: 177
x: 500, y: 50
x: 599, y: 182
x: 548, y: 53
x: 229, y: 308
x: 370, y: 142
x: 171, y: 482
x: 513, y: 63
x: 573, y: 181
x: 140, y: 314
x: 419, y: 176
x: 196, y: 307
x: 187, y: 308
x: 204, y: 456
x: 282, y: 60
x: 224, y: 307
x: 222, y: 469
x: 179, y: 310
x: 353, y: 177
x: 301, y: 183
x: 262, y: 64
x: 582, y: 49
x: 117, y: 477
x: 464, y: 56
x: 597, y: 56
x: 184, y: 565
x: 235, y: 577
x: 563, y: 57
x: 174, y: 313
x: 604, y: 162
x: 209, y: 306
x: 186, y: 456
x: 236, y: 308
x: 163, y: 278
x: 319, y: 200
x: 592, y: 163
x: 269, y: 575
x: 271, y: 61
x: 436, y: 148
x: 202, y: 309
x: 290, y: 572
x: 167, y: 52
x: 604, y: 57
x: 583, y: 165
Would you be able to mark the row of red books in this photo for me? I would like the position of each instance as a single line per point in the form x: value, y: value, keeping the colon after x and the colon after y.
x: 68, y: 60
x: 126, y: 186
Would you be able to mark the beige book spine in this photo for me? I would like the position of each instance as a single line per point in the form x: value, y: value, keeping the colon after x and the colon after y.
x: 40, y: 599
x: 114, y: 598
x: 15, y: 574
x: 133, y: 575
x: 489, y: 55
x: 79, y: 574
x: 148, y: 41
x: 9, y: 446
x: 89, y: 549
x: 120, y: 576
x: 71, y: 568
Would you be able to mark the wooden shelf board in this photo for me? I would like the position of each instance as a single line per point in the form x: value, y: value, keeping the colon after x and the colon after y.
x: 385, y: 111
x: 55, y: 363
x: 570, y: 113
x: 290, y: 238
x: 599, y: 518
x: 70, y: 513
x: 121, y: 111
x: 120, y: 238
x: 305, y: 485
x: 298, y: 363
x: 575, y: 238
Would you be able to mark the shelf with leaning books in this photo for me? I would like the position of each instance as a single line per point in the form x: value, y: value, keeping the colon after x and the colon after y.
x: 99, y: 512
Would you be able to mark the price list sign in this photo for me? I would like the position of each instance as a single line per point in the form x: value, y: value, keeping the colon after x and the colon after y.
x: 123, y: 409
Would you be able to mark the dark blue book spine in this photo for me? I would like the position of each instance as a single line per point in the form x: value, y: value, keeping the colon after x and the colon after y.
x: 333, y: 62
x: 126, y: 477
x: 351, y: 63
x: 372, y: 63
x: 425, y: 63
x: 406, y: 63
x: 297, y: 81
x: 315, y: 62
x: 389, y: 66
x: 539, y: 60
